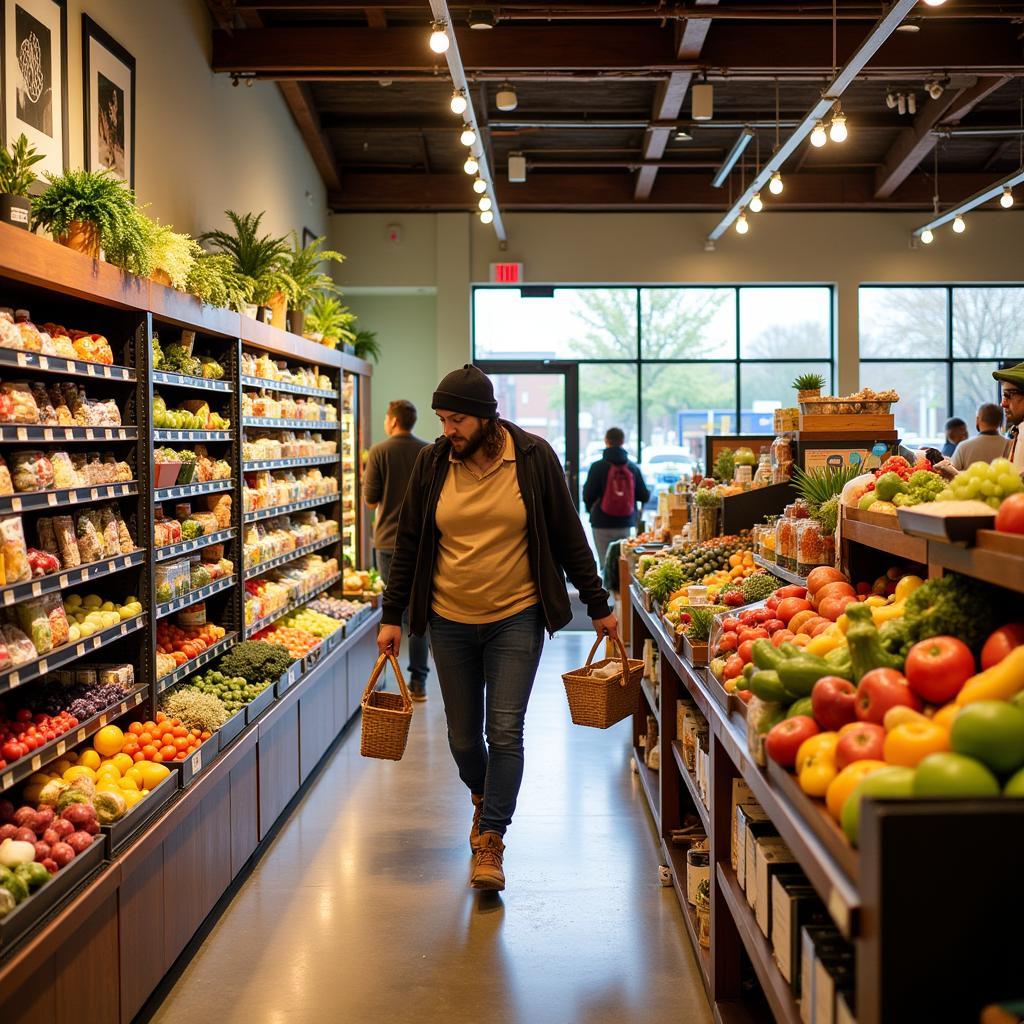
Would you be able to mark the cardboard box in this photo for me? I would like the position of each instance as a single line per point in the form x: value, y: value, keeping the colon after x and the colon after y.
x: 756, y: 833
x: 772, y: 860
x: 742, y: 816
x: 832, y: 972
x: 814, y: 940
x: 844, y: 1007
x: 795, y: 904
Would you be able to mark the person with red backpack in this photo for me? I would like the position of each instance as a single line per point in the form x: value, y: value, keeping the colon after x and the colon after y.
x: 613, y: 488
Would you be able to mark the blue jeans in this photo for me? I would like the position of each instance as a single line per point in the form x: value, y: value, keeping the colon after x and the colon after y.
x: 419, y: 649
x: 486, y: 674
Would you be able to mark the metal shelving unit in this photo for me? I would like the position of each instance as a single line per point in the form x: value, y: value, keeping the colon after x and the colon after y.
x: 261, y: 384
x: 295, y: 506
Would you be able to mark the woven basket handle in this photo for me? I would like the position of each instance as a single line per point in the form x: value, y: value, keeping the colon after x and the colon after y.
x: 375, y: 675
x: 622, y: 655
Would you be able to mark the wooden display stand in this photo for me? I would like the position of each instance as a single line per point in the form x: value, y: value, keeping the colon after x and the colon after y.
x: 836, y: 426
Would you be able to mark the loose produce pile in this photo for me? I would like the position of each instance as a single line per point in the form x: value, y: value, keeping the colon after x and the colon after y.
x: 177, y: 357
x: 336, y: 608
x: 175, y: 645
x: 362, y: 581
x: 897, y: 484
x: 277, y: 589
x: 916, y: 693
x: 234, y: 692
x: 166, y: 737
x: 256, y: 662
x: 192, y: 414
x: 990, y: 482
x: 663, y: 575
x: 196, y: 467
x: 19, y: 332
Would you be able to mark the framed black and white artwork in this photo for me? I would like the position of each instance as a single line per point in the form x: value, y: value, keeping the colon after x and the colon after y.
x: 109, y: 102
x: 34, y: 78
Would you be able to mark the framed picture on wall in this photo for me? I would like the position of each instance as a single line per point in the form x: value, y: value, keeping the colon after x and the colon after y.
x: 307, y: 237
x: 34, y: 78
x: 108, y: 71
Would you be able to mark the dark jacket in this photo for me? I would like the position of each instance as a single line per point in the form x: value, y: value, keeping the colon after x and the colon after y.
x: 557, y: 543
x: 597, y: 478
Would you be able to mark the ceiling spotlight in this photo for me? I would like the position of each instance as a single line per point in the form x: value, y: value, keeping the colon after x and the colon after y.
x: 486, y: 217
x: 468, y: 136
x: 471, y: 166
x: 702, y: 101
x: 439, y: 41
x: 908, y: 26
x: 484, y: 203
x: 683, y: 136
x: 911, y: 103
x: 775, y: 186
x: 890, y: 100
x: 1006, y: 199
x: 934, y: 3
x: 507, y: 98
x: 818, y: 136
x: 742, y: 227
x: 458, y: 102
x: 756, y: 206
x: 901, y: 103
x: 959, y: 225
x: 481, y: 20
x: 935, y: 89
x: 927, y: 237
x: 837, y: 129
x: 479, y: 186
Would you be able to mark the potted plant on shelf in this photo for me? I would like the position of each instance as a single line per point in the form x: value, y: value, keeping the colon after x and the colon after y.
x: 366, y: 346
x: 329, y: 321
x: 16, y: 178
x: 90, y: 210
x: 808, y: 386
x: 172, y: 255
x: 261, y: 258
x: 215, y: 281
x: 303, y: 267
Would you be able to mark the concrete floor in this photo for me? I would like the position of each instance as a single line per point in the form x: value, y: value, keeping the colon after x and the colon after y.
x: 359, y: 911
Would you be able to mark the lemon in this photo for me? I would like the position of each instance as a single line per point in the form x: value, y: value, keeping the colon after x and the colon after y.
x: 107, y: 606
x: 92, y: 601
x: 153, y: 773
x: 73, y: 601
x: 124, y: 613
x: 109, y: 771
x: 129, y: 783
x: 74, y: 632
x: 136, y: 774
x: 123, y: 762
x: 90, y: 758
x: 131, y: 796
x: 109, y: 740
x: 85, y: 629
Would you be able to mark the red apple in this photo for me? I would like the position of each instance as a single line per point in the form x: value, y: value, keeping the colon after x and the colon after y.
x: 834, y: 701
x: 881, y: 689
x: 1000, y: 643
x: 862, y: 742
x: 784, y: 739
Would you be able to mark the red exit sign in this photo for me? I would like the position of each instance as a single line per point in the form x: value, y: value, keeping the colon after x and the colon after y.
x: 506, y: 273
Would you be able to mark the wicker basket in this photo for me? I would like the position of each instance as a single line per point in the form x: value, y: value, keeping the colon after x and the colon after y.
x: 601, y: 703
x: 386, y: 716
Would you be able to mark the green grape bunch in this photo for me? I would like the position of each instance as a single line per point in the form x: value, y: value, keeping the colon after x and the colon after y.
x: 989, y: 482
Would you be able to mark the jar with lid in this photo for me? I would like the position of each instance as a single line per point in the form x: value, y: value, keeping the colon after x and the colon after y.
x: 781, y: 459
x: 766, y: 548
x: 763, y: 476
x: 815, y: 546
x: 786, y: 535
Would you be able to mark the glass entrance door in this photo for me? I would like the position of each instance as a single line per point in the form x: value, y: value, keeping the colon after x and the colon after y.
x: 543, y: 399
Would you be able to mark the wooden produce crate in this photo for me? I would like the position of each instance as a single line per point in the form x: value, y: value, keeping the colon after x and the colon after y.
x: 847, y: 423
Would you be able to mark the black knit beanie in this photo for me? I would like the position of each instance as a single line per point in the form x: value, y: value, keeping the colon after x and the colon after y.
x: 468, y: 391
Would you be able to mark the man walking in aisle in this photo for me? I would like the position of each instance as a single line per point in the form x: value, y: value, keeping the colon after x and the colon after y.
x: 388, y: 469
x: 486, y: 532
x: 988, y: 444
x: 613, y: 488
x: 1012, y: 383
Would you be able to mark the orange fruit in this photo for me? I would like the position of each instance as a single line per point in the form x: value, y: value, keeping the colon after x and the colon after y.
x: 109, y: 740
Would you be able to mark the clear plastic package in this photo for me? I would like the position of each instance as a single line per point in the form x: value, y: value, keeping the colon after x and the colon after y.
x: 67, y: 541
x: 15, y: 551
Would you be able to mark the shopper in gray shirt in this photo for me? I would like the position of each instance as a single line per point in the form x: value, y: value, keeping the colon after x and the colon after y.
x: 989, y: 444
x: 388, y: 470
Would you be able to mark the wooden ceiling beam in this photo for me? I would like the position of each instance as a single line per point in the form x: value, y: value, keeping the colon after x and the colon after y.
x: 638, y: 49
x: 913, y: 144
x: 851, y: 191
x: 300, y: 102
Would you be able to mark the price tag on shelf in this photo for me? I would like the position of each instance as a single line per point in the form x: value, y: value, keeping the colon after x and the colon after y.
x: 15, y: 504
x: 51, y: 500
x: 111, y: 492
x: 108, y: 435
x: 22, y: 434
x: 8, y: 597
x: 63, y: 581
x: 93, y: 494
x: 79, y: 736
x: 22, y: 360
x: 90, y: 434
x: 106, y: 371
x: 47, y: 434
x: 138, y: 699
x: 37, y: 589
x: 61, y: 747
x: 37, y: 763
x: 8, y: 780
x: 90, y: 369
x: 44, y: 363
x: 103, y: 720
x: 43, y: 666
x: 123, y: 708
x: 197, y: 761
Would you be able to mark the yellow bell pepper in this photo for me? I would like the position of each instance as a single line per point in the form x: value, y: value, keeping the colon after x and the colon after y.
x: 889, y: 611
x: 900, y: 715
x: 827, y: 641
x: 876, y: 601
x: 906, y: 585
x: 1000, y: 682
x: 945, y: 715
x: 846, y: 781
x: 816, y: 763
x: 843, y: 622
x: 911, y: 742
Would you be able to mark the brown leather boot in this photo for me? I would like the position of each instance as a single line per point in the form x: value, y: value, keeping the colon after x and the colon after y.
x: 487, y: 863
x: 474, y: 832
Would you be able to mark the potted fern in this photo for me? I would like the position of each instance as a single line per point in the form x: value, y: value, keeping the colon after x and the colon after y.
x: 172, y: 255
x: 261, y: 258
x: 90, y: 210
x: 16, y: 178
x: 329, y: 321
x: 366, y: 346
x: 808, y: 386
x: 302, y: 265
x: 215, y: 281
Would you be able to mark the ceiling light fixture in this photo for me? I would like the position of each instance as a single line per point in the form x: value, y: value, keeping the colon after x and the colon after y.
x: 481, y: 20
x: 723, y: 172
x: 458, y: 102
x: 934, y: 3
x: 927, y: 237
x: 1006, y: 199
x: 486, y: 217
x: 837, y: 131
x: 959, y: 224
x: 818, y: 136
x: 775, y: 186
x: 742, y: 227
x: 471, y: 166
x: 985, y: 195
x: 506, y: 99
x: 479, y: 186
x: 901, y: 104
x: 485, y: 203
x: 702, y: 100
x: 468, y: 136
x: 756, y: 206
x: 909, y: 27
x: 890, y: 100
x: 911, y: 102
x: 439, y: 41
x: 934, y: 89
x: 683, y: 136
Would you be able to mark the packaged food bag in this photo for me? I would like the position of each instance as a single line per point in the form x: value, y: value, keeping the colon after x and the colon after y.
x: 15, y: 552
x: 67, y: 541
x: 35, y: 621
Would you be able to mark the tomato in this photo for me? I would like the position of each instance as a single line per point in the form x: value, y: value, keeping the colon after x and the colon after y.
x: 746, y: 651
x: 760, y: 633
x: 790, y: 606
x: 937, y: 668
x: 731, y: 624
x: 728, y: 642
x: 1001, y: 642
x: 1010, y: 517
x: 733, y: 667
x: 785, y: 738
x: 11, y: 750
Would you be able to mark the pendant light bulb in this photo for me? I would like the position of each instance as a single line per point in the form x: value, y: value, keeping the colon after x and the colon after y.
x: 468, y: 136
x: 742, y: 227
x: 934, y: 3
x: 756, y: 206
x: 818, y: 136
x: 775, y: 186
x: 471, y: 166
x: 486, y: 217
x: 479, y: 186
x: 959, y: 225
x: 485, y: 203
x: 1006, y: 199
x: 439, y: 41
x: 837, y: 130
x: 927, y: 237
x: 458, y: 103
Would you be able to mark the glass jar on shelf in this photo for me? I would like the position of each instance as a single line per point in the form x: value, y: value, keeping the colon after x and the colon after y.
x: 781, y: 457
x: 815, y: 546
x: 766, y: 547
x: 786, y: 535
x: 763, y: 477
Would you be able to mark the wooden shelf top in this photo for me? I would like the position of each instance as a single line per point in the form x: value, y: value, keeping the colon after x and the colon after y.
x: 892, y: 542
x: 284, y: 343
x: 997, y: 558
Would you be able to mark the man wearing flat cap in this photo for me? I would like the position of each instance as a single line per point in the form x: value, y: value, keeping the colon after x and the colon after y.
x: 1011, y: 382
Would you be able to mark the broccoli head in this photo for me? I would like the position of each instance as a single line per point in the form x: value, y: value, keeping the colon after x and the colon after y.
x: 956, y: 606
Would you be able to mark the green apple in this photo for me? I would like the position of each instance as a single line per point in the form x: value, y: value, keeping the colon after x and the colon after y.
x: 1015, y: 787
x: 867, y: 501
x: 992, y: 731
x: 886, y: 783
x: 952, y: 775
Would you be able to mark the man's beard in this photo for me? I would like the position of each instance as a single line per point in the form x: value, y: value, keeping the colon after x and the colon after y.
x: 473, y: 445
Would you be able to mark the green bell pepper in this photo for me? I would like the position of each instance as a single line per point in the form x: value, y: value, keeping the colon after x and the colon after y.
x: 766, y: 685
x: 801, y: 707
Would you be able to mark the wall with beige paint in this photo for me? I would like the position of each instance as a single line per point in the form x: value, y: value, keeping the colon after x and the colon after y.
x: 202, y: 146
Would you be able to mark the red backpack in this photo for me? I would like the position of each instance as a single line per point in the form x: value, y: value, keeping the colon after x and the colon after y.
x: 619, y: 498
